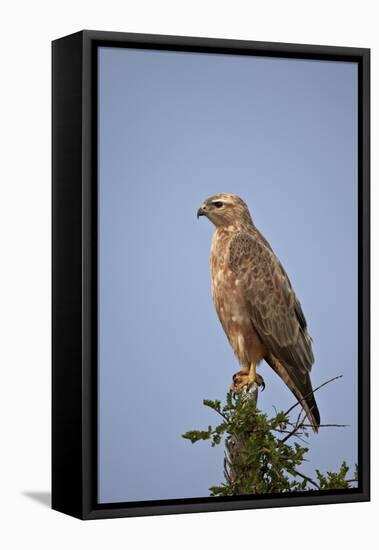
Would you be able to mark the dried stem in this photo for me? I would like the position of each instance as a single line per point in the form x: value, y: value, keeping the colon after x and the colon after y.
x: 310, y: 393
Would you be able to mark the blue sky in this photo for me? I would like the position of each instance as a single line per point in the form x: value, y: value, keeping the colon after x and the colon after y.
x: 175, y: 128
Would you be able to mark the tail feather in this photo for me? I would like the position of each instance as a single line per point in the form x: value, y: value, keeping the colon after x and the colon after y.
x: 301, y: 386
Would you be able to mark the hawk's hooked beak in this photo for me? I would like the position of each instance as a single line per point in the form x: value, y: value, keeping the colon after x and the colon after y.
x: 202, y: 211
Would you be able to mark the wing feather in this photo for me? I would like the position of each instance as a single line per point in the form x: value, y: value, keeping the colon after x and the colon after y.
x: 275, y: 311
x: 276, y: 315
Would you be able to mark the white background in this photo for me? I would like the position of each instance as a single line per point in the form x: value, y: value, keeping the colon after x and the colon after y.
x: 27, y: 29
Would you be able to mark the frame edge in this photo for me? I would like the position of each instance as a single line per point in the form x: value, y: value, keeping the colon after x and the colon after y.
x: 77, y: 498
x: 67, y: 475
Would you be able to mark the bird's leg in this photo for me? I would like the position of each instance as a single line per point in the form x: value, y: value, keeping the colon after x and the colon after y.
x: 246, y: 377
x: 252, y: 374
x: 254, y: 377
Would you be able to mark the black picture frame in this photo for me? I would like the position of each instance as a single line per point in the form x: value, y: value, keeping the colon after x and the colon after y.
x: 74, y: 273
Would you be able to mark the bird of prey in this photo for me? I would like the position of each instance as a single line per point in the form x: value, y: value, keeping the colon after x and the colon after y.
x: 256, y: 304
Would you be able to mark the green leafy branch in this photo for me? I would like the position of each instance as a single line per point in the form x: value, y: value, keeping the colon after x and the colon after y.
x: 264, y: 454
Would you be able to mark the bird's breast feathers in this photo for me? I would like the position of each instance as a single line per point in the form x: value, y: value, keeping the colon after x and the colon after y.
x: 230, y: 301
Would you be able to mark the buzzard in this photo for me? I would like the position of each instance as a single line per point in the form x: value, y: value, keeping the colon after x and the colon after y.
x: 256, y: 304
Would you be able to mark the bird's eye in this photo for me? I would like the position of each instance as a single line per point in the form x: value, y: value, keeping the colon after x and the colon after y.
x: 218, y: 204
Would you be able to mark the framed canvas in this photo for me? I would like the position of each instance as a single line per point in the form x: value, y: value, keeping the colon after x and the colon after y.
x: 170, y: 155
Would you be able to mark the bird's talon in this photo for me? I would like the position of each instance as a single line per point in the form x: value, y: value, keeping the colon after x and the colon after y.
x: 260, y: 381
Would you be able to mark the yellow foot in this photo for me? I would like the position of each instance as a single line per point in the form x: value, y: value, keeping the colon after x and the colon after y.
x: 245, y: 378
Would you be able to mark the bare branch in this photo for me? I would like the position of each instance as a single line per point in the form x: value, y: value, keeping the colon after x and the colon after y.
x: 290, y: 433
x: 298, y: 425
x: 312, y: 392
x: 326, y: 425
x: 307, y: 479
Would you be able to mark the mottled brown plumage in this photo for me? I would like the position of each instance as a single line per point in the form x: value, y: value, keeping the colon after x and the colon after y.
x: 256, y: 304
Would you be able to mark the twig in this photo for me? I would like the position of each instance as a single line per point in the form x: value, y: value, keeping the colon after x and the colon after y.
x: 290, y: 433
x: 312, y: 392
x: 307, y: 479
x: 297, y: 427
x: 222, y: 415
x: 324, y: 425
x: 298, y: 423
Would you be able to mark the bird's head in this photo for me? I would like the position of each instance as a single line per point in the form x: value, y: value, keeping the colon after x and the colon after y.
x: 225, y: 209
